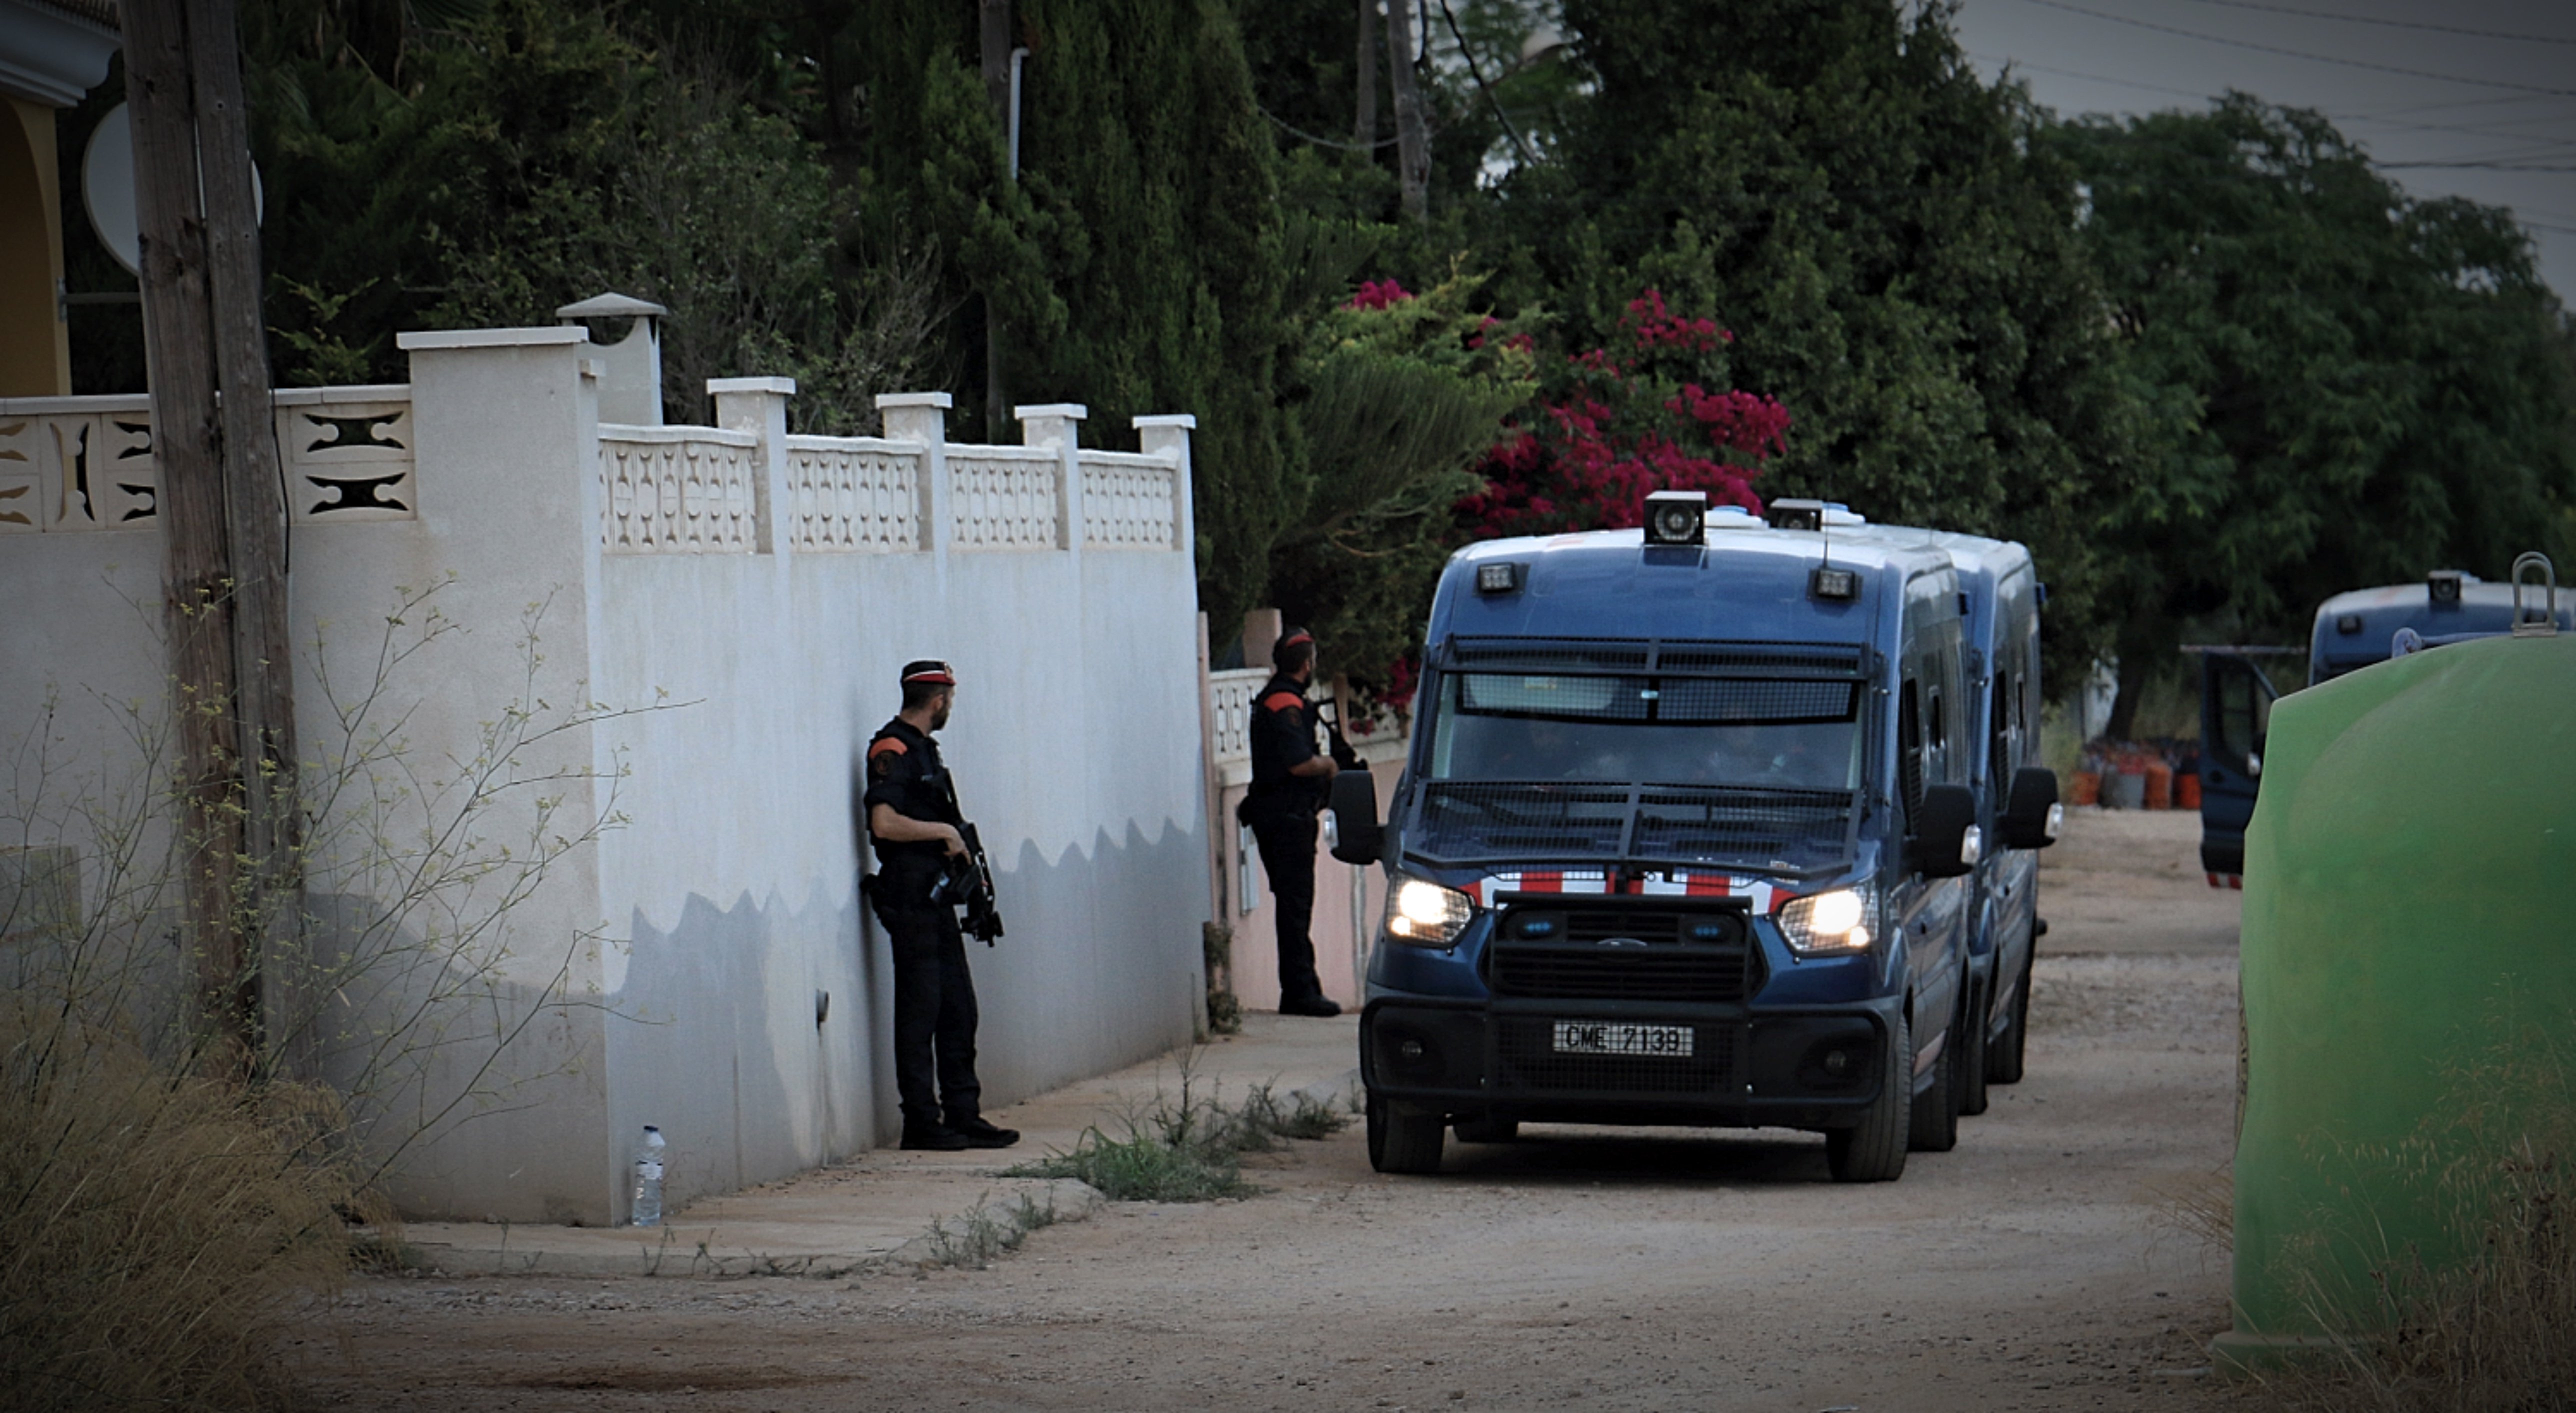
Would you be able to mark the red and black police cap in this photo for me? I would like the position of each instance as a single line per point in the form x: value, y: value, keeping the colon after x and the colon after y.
x: 930, y: 670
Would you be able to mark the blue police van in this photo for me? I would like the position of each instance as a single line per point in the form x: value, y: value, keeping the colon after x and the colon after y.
x: 1687, y: 836
x: 2000, y: 587
x: 2351, y: 631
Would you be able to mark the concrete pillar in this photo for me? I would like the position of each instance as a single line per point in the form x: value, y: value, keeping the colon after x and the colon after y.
x: 923, y: 417
x: 630, y: 370
x: 1059, y: 425
x: 1170, y: 433
x: 759, y: 406
x: 506, y: 457
x: 1262, y: 629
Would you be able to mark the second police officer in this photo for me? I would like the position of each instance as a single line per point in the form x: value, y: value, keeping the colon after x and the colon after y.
x: 1290, y: 778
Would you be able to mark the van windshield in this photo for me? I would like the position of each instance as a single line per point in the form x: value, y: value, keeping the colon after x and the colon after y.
x: 1790, y: 733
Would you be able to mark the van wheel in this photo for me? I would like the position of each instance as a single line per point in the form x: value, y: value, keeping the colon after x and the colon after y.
x: 1972, y: 1057
x: 1480, y: 1128
x: 1403, y: 1143
x: 1873, y: 1150
x: 1936, y: 1110
x: 2003, y: 1061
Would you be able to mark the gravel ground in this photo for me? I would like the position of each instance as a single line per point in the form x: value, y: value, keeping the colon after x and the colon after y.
x: 2036, y: 1267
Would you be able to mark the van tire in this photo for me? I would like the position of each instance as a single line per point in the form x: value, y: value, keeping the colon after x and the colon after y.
x: 1401, y: 1142
x: 1873, y: 1150
x: 2004, y: 1058
x: 1936, y: 1110
x: 1479, y: 1128
x: 1973, y: 1055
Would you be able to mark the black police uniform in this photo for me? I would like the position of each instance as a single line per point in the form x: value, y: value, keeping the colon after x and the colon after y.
x: 1281, y: 808
x: 934, y: 993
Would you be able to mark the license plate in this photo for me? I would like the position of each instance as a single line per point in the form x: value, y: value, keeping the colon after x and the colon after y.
x: 1614, y: 1038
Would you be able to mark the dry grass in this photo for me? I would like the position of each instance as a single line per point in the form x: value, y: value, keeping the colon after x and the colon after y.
x: 2493, y: 1331
x: 154, y: 1230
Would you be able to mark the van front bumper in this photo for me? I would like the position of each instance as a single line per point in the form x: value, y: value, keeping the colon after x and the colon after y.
x: 1747, y: 1066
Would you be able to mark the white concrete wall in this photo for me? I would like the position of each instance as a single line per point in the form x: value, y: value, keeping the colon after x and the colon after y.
x: 723, y: 905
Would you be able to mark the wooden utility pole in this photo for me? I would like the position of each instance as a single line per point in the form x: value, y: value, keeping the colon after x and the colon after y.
x: 1364, y: 120
x: 1412, y: 136
x: 221, y: 507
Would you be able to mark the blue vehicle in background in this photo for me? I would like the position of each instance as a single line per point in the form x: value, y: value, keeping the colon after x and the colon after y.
x: 2351, y: 631
x: 1687, y: 836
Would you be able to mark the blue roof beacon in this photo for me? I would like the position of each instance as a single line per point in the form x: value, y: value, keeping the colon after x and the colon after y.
x: 1690, y: 833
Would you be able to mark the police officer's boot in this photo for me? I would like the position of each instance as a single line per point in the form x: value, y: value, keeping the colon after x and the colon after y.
x: 922, y: 1135
x: 980, y: 1133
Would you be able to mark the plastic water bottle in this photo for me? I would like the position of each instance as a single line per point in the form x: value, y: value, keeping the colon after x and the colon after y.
x: 648, y: 1179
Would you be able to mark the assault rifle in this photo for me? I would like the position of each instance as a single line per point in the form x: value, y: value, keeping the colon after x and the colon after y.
x: 1336, y: 745
x: 967, y: 879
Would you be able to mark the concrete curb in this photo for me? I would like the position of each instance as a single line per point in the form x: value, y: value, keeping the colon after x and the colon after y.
x: 996, y: 1222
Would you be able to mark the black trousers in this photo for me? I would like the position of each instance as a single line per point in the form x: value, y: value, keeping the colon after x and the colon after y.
x: 1288, y: 855
x: 934, y: 1015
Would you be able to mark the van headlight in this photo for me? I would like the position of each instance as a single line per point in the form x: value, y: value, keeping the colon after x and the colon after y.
x: 1830, y: 924
x: 1421, y: 913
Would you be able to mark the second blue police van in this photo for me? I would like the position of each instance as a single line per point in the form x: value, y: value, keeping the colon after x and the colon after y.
x: 1686, y: 836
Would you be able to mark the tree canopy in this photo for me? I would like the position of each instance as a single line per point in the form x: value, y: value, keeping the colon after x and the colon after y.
x: 2344, y: 386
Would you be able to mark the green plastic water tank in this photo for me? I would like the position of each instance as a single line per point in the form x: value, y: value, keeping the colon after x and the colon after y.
x: 2410, y: 906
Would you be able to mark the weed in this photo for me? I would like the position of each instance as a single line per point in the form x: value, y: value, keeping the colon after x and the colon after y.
x: 986, y: 1232
x: 1189, y: 1150
x: 2201, y: 1206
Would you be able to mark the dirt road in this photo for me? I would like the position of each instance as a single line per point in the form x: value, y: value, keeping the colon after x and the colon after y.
x: 1574, y: 1269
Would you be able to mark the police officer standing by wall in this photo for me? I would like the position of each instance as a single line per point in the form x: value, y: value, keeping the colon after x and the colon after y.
x: 915, y: 825
x: 1289, y: 781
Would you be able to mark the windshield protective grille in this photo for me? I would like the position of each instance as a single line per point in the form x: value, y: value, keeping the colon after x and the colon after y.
x: 1550, y: 654
x: 1473, y: 821
x: 1638, y: 655
x: 1802, y: 828
x: 1513, y: 819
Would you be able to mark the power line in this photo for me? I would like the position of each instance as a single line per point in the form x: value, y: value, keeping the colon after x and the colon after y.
x: 2424, y: 25
x: 1298, y: 132
x: 2301, y: 53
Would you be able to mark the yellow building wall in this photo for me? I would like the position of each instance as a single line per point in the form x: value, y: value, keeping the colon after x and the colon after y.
x: 35, y: 343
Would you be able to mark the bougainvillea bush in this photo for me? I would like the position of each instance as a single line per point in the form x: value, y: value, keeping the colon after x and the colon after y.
x: 1599, y: 430
x: 1649, y: 411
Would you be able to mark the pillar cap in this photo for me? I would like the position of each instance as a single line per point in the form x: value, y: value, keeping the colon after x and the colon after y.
x: 611, y: 305
x: 1073, y: 410
x: 1183, y: 420
x: 718, y: 387
x: 886, y: 401
x: 489, y: 338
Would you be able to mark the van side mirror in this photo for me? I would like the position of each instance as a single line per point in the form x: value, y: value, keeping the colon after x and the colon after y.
x: 1944, y: 843
x: 1358, y: 838
x: 2032, y: 815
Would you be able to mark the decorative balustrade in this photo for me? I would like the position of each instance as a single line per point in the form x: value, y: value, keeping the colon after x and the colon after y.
x: 1129, y: 501
x: 679, y: 490
x: 1005, y: 497
x: 1230, y: 713
x: 70, y: 464
x: 854, y: 495
x: 87, y: 464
